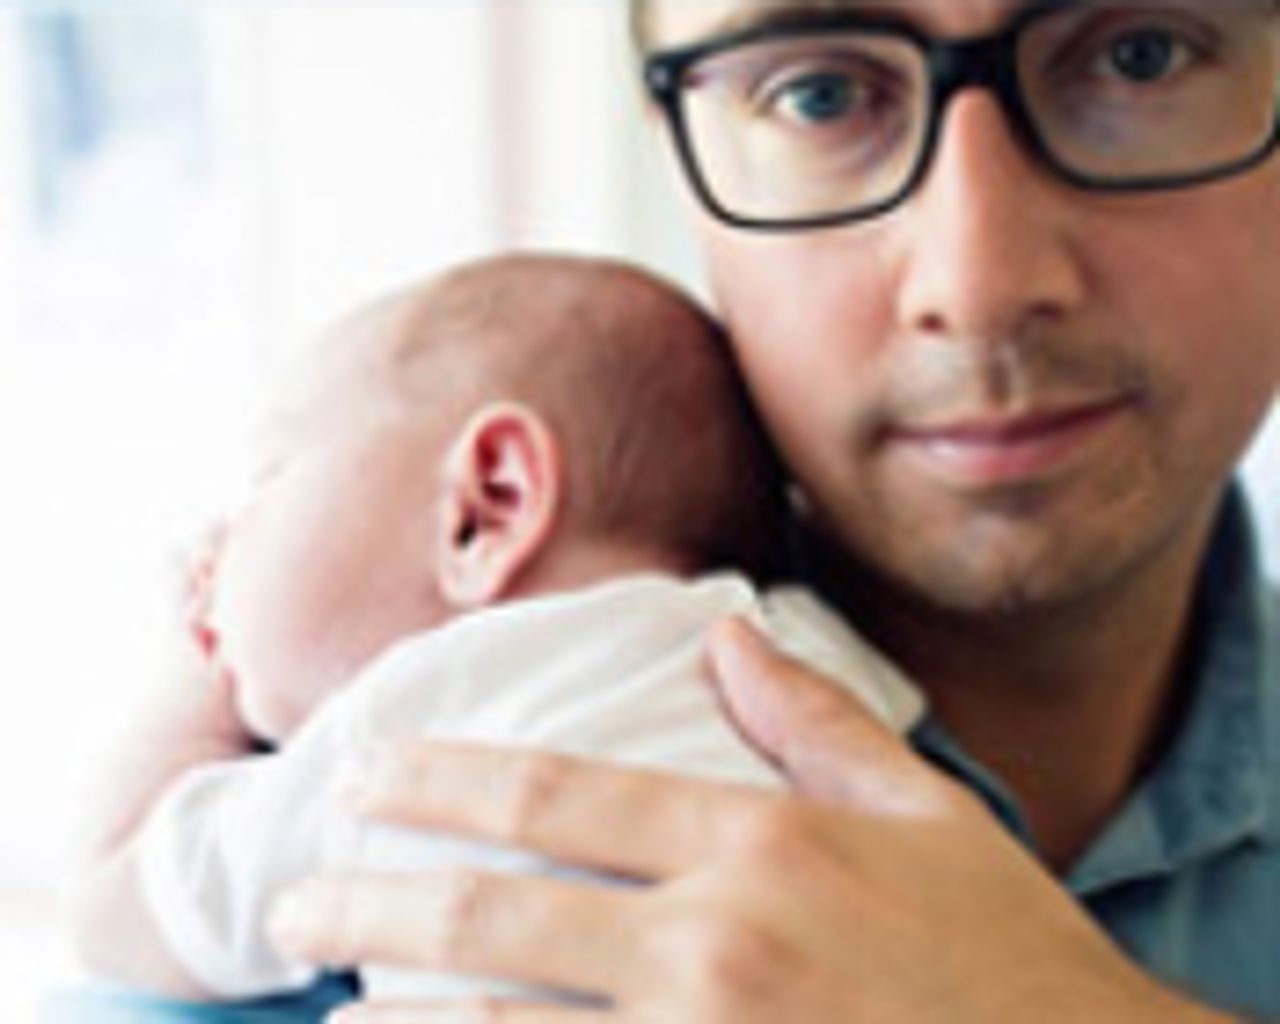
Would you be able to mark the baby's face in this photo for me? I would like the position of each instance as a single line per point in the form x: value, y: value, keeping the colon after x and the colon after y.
x: 331, y: 559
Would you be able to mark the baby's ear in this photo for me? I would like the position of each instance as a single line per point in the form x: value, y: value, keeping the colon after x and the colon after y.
x: 502, y: 489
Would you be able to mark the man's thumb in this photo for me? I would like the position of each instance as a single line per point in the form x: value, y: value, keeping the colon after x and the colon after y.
x: 821, y: 737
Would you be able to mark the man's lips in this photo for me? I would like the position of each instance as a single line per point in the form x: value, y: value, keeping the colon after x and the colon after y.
x: 988, y: 450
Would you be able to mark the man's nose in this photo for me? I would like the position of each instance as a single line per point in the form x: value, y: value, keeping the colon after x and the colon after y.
x: 992, y: 244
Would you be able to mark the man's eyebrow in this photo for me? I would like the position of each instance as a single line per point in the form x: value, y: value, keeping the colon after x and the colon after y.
x: 764, y: 14
x: 751, y: 15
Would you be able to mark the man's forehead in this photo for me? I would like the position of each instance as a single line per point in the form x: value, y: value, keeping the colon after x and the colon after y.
x: 676, y: 22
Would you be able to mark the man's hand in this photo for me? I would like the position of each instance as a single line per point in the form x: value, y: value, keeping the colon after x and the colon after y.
x: 884, y: 892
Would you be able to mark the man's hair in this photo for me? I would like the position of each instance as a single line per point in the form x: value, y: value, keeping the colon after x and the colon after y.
x: 640, y: 20
x: 637, y: 382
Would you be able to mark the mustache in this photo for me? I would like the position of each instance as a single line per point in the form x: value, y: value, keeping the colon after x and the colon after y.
x: 952, y: 380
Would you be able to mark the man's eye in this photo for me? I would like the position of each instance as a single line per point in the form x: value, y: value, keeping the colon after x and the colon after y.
x: 1145, y: 55
x: 815, y: 98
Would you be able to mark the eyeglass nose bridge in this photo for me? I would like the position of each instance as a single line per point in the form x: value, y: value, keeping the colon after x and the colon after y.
x: 988, y: 63
x: 981, y: 63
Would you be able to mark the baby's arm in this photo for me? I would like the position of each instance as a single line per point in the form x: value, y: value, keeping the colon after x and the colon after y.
x: 177, y: 900
x: 190, y: 720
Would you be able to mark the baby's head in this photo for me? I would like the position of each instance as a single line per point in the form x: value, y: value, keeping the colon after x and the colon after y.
x: 521, y: 425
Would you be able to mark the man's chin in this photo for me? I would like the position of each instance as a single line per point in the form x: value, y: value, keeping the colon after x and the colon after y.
x: 1016, y: 591
x: 992, y: 571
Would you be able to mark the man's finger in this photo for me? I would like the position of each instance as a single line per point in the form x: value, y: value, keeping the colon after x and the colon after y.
x: 531, y: 929
x: 627, y: 821
x: 483, y: 1012
x: 823, y: 739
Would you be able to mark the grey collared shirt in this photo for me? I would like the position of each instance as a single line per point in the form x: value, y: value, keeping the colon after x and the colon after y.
x: 1186, y: 876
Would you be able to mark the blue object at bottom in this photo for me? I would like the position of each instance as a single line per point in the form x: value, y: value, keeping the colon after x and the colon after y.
x: 108, y: 1005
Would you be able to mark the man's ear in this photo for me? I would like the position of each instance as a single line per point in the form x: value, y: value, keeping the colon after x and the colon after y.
x: 501, y: 495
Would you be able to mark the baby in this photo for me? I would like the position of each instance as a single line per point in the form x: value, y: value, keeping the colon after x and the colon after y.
x: 505, y: 506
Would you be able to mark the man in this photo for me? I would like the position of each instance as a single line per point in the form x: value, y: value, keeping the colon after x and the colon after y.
x: 1002, y: 278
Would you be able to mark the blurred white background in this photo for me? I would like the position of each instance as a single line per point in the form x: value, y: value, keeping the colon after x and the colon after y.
x: 186, y: 190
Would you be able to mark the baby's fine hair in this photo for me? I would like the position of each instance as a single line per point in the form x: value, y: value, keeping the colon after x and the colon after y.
x: 639, y: 385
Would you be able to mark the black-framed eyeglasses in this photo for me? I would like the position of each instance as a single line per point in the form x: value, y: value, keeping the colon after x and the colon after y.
x: 828, y: 117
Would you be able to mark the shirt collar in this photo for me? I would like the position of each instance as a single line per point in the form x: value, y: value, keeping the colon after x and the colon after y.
x: 1215, y: 787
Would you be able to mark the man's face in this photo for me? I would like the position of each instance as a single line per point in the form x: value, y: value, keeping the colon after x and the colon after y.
x: 331, y: 559
x: 1006, y: 392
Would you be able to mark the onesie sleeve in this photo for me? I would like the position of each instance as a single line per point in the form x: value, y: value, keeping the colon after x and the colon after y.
x: 226, y: 838
x: 808, y: 629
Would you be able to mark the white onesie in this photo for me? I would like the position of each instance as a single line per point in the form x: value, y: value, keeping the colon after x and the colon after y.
x: 614, y: 671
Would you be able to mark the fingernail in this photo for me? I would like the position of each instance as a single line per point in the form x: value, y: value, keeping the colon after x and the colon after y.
x: 735, y: 641
x: 360, y: 780
x: 293, y: 919
x: 351, y: 785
